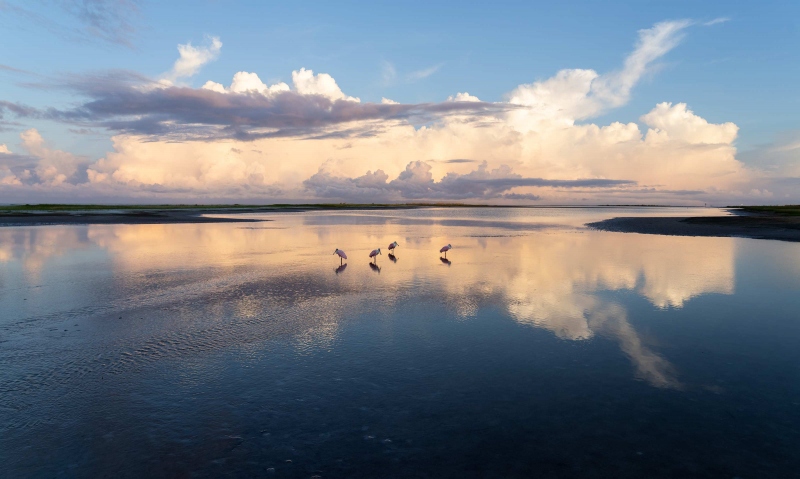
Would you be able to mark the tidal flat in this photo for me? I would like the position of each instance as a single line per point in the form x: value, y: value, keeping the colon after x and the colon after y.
x: 539, y: 348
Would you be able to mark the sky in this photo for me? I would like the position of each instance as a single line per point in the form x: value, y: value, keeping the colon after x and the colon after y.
x: 137, y: 101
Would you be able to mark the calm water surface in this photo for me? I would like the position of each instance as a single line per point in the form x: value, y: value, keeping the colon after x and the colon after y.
x: 538, y: 349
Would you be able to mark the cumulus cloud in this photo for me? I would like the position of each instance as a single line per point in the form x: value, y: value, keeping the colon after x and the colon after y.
x: 668, y: 122
x: 311, y: 139
x: 54, y: 167
x: 306, y: 83
x: 40, y: 165
x: 245, y: 82
x: 193, y: 58
x: 8, y: 178
x: 463, y: 97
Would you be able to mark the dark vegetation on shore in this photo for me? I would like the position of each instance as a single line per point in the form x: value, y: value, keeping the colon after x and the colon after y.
x: 785, y: 210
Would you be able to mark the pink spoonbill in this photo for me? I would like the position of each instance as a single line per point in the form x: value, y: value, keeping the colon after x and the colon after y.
x: 393, y: 246
x: 341, y: 254
x: 374, y: 254
x: 445, y: 249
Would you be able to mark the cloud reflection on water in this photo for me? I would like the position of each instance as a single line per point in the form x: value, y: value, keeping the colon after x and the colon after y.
x: 550, y: 279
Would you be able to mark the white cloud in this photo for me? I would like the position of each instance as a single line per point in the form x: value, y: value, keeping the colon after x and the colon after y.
x: 192, y: 59
x: 40, y: 166
x: 679, y: 123
x: 214, y: 86
x: 8, y: 178
x: 614, y: 89
x: 716, y: 21
x: 306, y: 83
x: 245, y: 82
x: 680, y: 151
x: 578, y: 94
x: 54, y: 167
x: 463, y: 97
x: 541, y: 132
x: 424, y: 73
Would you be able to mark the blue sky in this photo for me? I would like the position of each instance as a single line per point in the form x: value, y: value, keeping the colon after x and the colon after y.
x: 744, y: 69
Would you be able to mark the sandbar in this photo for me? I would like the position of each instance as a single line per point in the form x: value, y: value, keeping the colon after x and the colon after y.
x: 773, y: 227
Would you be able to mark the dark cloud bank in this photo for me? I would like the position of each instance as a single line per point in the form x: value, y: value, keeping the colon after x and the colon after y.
x: 416, y: 183
x: 126, y: 102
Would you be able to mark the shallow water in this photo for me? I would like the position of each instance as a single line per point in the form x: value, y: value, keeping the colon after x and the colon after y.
x: 539, y: 348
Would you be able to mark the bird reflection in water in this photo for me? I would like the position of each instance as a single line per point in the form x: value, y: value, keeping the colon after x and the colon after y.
x: 445, y: 261
x: 393, y: 258
x: 375, y: 267
x: 341, y: 268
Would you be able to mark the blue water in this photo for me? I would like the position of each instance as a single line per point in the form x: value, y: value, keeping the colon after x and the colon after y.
x: 540, y: 348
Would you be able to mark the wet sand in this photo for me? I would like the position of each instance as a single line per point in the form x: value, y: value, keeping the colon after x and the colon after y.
x: 784, y: 228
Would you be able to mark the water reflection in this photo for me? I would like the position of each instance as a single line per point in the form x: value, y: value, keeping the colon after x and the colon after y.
x: 554, y: 280
x: 220, y: 347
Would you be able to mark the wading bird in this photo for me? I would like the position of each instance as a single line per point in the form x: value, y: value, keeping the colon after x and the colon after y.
x: 341, y: 254
x: 375, y: 254
x: 393, y: 246
x: 445, y: 249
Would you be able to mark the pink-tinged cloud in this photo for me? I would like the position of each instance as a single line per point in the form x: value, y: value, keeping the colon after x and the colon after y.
x: 310, y: 140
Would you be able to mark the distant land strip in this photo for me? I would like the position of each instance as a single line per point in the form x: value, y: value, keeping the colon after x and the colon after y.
x: 64, y: 214
x: 48, y: 207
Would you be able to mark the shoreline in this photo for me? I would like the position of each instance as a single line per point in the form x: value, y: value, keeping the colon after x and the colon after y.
x: 58, y: 214
x: 756, y: 226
